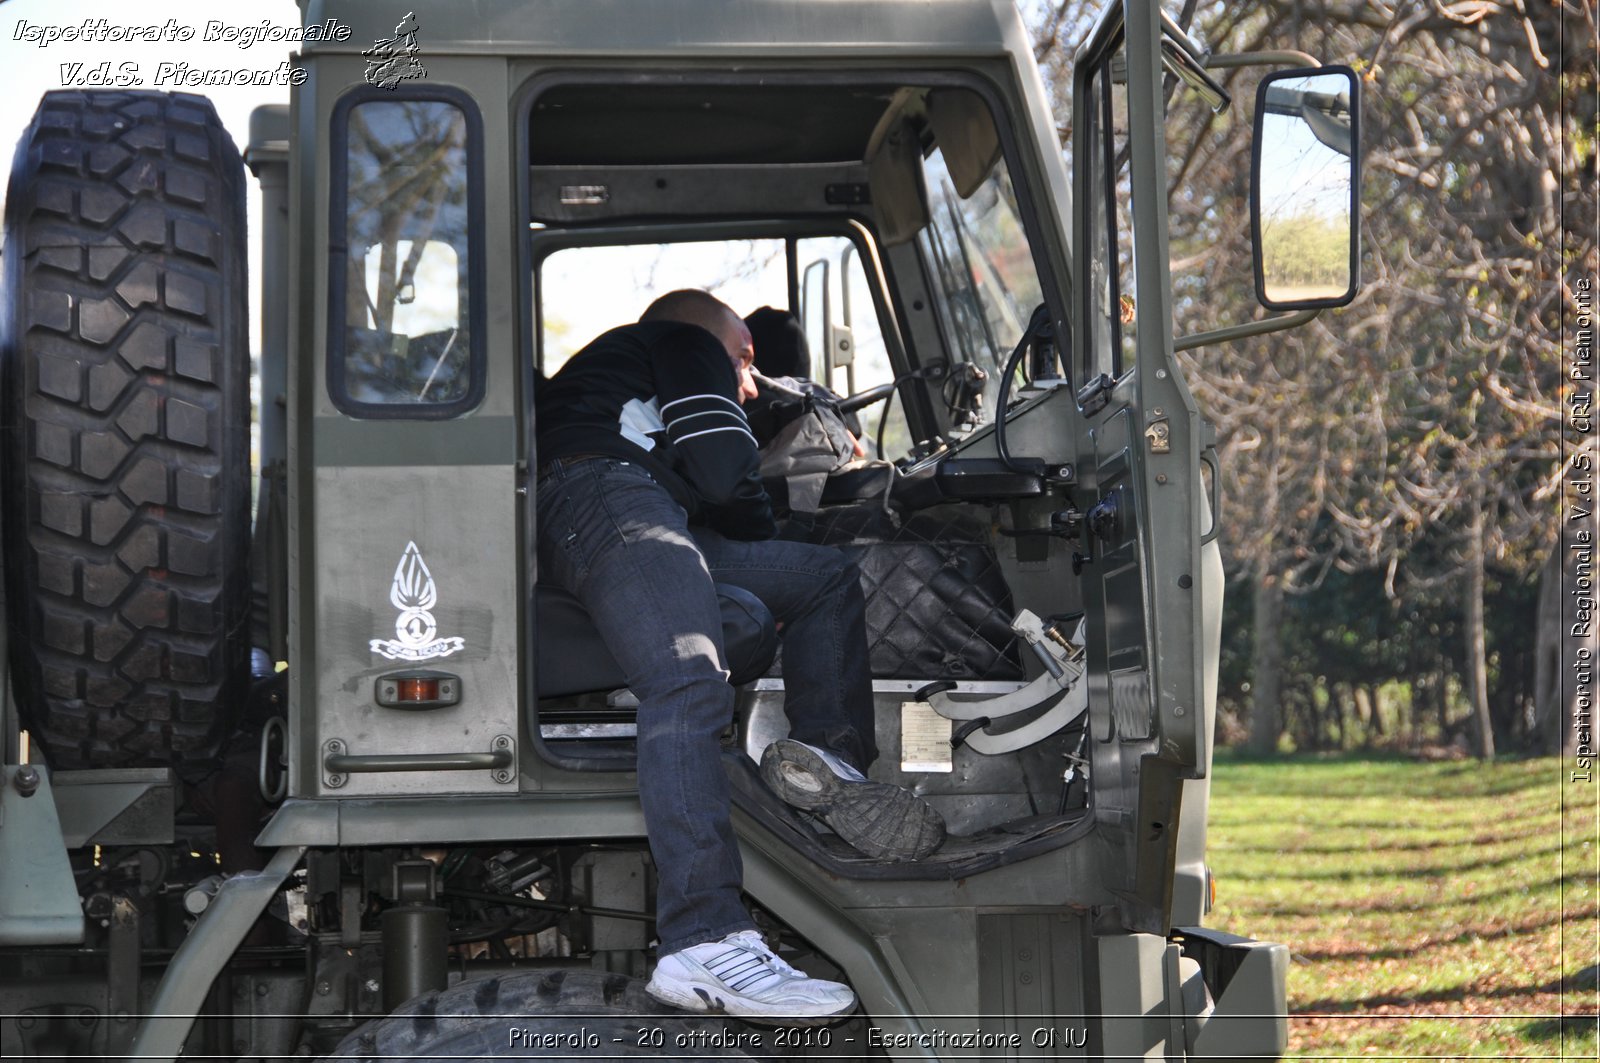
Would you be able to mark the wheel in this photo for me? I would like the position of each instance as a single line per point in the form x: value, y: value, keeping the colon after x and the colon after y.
x: 124, y: 463
x: 578, y: 1015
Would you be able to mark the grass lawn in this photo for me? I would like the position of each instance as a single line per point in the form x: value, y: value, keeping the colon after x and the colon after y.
x: 1426, y: 904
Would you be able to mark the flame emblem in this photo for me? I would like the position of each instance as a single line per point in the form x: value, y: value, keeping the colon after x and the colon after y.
x: 414, y: 594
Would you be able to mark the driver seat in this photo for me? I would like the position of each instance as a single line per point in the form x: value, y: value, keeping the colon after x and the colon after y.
x: 573, y: 658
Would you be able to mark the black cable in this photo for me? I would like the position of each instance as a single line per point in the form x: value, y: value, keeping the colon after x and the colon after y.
x: 1037, y: 324
x: 936, y: 371
x: 883, y: 419
x: 549, y: 906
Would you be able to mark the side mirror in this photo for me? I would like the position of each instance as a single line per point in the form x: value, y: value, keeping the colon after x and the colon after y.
x: 1305, y: 196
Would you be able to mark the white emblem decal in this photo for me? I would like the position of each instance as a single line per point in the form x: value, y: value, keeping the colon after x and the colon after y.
x: 414, y: 594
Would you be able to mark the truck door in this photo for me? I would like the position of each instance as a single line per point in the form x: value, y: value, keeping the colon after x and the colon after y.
x: 1146, y: 586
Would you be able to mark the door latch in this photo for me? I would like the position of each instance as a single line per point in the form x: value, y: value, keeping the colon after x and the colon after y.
x: 1158, y: 433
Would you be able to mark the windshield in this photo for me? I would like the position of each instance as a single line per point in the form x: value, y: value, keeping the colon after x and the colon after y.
x: 985, y: 286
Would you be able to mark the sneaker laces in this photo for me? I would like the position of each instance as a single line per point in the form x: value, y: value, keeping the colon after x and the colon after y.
x: 746, y: 965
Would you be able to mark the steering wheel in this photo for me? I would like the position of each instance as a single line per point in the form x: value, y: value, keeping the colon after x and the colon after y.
x: 862, y: 399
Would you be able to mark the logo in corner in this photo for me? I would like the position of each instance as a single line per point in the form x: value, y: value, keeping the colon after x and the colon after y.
x: 394, y: 60
x: 414, y: 594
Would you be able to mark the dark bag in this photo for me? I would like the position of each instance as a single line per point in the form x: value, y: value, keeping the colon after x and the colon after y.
x: 804, y: 438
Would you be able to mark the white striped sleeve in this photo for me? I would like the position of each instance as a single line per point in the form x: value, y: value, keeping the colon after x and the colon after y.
x: 709, y: 431
x: 698, y: 415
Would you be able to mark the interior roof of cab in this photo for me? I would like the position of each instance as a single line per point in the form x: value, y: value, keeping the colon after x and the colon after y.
x: 638, y: 124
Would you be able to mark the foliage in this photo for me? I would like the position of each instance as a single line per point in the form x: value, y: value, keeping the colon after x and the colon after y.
x: 1424, y: 904
x: 1414, y: 435
x: 1345, y: 640
x: 1309, y: 250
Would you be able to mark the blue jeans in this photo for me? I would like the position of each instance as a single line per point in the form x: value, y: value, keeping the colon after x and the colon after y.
x: 614, y: 538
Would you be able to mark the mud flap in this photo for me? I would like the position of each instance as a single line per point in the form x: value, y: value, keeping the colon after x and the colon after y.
x: 1248, y: 980
x: 1202, y: 994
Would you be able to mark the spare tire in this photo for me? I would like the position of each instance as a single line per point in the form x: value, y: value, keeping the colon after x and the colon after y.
x: 124, y: 463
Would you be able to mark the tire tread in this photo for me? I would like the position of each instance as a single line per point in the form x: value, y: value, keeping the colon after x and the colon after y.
x: 469, y: 1021
x: 126, y: 477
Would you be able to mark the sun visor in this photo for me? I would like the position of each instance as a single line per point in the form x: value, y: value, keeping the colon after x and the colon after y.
x: 899, y: 195
x: 966, y: 135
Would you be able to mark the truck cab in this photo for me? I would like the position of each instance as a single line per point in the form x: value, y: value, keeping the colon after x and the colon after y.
x: 452, y: 207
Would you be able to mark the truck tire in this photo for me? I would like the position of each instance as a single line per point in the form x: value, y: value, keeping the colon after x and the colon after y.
x: 578, y: 1015
x: 124, y: 463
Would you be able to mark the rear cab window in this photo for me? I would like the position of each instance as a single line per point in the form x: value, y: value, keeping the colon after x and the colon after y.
x: 406, y: 287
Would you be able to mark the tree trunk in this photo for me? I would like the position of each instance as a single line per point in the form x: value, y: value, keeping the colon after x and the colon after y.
x: 1477, y: 656
x: 1367, y: 710
x: 1266, y: 664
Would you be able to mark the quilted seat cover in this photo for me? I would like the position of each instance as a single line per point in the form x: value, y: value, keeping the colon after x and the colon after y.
x: 938, y: 606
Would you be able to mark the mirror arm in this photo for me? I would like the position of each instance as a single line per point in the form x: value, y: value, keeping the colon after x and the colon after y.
x: 1234, y: 60
x: 1239, y: 332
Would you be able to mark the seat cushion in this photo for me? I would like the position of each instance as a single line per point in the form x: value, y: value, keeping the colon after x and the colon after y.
x: 573, y: 659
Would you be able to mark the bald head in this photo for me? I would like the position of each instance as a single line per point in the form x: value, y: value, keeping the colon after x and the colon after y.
x: 691, y: 306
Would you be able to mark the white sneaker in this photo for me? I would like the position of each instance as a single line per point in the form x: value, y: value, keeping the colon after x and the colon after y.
x: 740, y: 976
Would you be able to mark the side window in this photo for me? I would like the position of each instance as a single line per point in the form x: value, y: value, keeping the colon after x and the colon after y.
x: 583, y: 291
x: 848, y: 353
x: 1111, y: 294
x: 406, y: 208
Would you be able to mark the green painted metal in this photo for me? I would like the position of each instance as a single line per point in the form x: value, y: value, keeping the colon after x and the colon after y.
x: 117, y: 806
x: 40, y: 898
x: 1239, y: 332
x: 1251, y: 1016
x: 238, y: 903
x: 453, y: 820
x: 469, y: 441
x: 1136, y: 1012
x: 682, y: 29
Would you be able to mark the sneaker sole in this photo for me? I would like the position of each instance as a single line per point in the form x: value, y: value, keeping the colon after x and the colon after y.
x: 705, y: 1000
x: 878, y: 819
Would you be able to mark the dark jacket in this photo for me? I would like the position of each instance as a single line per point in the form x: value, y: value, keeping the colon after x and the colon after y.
x: 664, y: 395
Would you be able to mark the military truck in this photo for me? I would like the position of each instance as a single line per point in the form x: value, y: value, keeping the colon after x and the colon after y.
x: 328, y: 772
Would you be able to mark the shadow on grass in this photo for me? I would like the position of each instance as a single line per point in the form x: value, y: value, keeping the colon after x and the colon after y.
x: 1578, y: 1034
x: 1381, y: 905
x: 1457, y: 994
x: 1362, y: 874
x: 1385, y: 774
x: 1388, y: 846
x: 1496, y: 934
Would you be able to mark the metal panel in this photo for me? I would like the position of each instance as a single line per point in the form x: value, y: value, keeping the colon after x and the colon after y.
x: 1032, y: 968
x: 740, y: 28
x: 188, y: 978
x: 41, y: 900
x: 1130, y: 703
x: 417, y: 572
x: 1137, y: 1021
x: 116, y: 806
